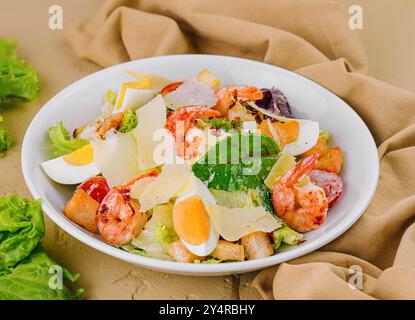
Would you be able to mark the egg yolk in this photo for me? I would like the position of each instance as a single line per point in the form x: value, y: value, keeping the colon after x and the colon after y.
x: 191, y: 221
x: 287, y: 132
x: 81, y: 156
x: 142, y: 84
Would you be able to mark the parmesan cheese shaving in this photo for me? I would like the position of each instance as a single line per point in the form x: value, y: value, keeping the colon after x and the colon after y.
x: 234, y: 223
x: 151, y: 118
x: 165, y: 186
x: 117, y: 158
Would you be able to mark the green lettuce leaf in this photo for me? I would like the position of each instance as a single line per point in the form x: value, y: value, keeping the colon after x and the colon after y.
x: 61, y: 143
x: 324, y: 134
x: 286, y: 235
x: 207, y: 261
x: 21, y: 228
x: 25, y: 269
x: 165, y: 235
x: 129, y: 121
x: 233, y: 199
x: 158, y: 233
x: 239, y: 162
x: 110, y: 96
x: 260, y: 196
x: 17, y: 78
x: 6, y: 140
x: 33, y: 279
x: 221, y: 124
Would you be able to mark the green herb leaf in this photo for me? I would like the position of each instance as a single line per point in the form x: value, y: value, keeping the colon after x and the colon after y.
x: 239, y: 162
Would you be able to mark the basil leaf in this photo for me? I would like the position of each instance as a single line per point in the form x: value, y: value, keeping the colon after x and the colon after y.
x: 240, y: 162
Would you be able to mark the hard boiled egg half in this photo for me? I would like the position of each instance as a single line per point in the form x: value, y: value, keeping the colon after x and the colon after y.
x: 191, y: 219
x: 72, y: 168
x: 307, y: 137
x: 133, y: 95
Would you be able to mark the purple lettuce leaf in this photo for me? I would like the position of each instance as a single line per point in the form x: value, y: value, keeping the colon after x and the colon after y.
x: 275, y: 101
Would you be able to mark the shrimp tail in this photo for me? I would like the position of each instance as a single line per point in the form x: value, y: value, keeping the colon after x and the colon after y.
x: 300, y: 170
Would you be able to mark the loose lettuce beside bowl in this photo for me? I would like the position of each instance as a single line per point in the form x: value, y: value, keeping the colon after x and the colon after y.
x: 17, y: 78
x: 32, y: 279
x: 25, y: 269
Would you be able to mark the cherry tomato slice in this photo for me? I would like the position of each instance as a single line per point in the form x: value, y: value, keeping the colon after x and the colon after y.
x: 329, y: 181
x: 96, y: 187
x: 170, y: 87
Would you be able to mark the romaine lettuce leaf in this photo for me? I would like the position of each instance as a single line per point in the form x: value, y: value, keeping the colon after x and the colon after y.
x: 158, y: 233
x: 260, y: 196
x: 324, y: 134
x: 61, y: 143
x: 285, y: 235
x: 129, y: 121
x: 6, y: 140
x: 207, y: 261
x: 110, y: 96
x: 21, y: 228
x: 17, y: 78
x: 165, y: 235
x: 32, y: 279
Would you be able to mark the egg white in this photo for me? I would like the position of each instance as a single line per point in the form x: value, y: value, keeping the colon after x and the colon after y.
x: 65, y: 173
x: 133, y: 99
x: 198, y: 188
x: 307, y: 137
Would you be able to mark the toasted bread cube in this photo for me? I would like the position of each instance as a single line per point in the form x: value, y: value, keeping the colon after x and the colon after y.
x: 321, y: 148
x: 82, y: 209
x: 332, y: 161
x: 180, y: 253
x: 257, y: 245
x: 226, y: 250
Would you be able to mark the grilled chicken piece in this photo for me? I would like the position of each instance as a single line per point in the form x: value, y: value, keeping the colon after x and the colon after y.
x: 82, y: 209
x: 180, y: 253
x: 226, y: 250
x: 113, y: 122
x: 257, y: 245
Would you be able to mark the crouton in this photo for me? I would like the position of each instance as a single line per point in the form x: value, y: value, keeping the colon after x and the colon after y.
x: 321, y: 148
x: 180, y: 253
x: 332, y: 161
x: 226, y: 250
x: 82, y: 209
x: 257, y: 245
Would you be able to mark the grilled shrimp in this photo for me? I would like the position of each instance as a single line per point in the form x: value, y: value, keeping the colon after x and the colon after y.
x: 119, y: 217
x: 302, y: 208
x: 229, y: 95
x: 181, y: 121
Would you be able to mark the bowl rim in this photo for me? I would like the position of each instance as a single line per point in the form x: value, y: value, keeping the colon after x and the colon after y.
x: 191, y: 268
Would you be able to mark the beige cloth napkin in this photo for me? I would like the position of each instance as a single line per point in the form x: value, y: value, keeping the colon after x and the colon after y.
x: 312, y: 38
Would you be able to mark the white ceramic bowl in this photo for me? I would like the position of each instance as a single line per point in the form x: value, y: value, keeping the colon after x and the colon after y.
x: 81, y: 102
